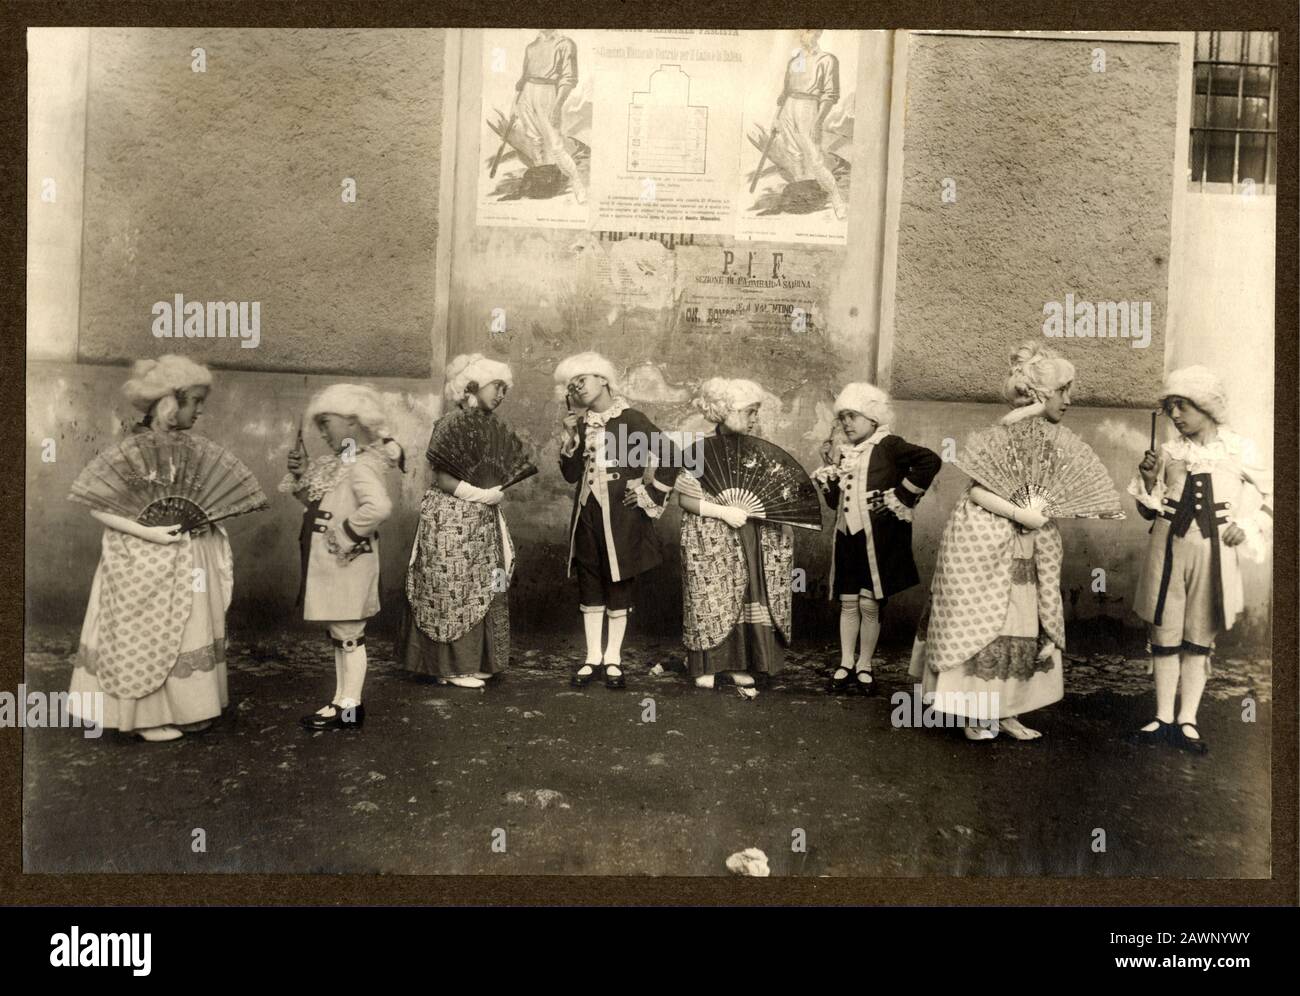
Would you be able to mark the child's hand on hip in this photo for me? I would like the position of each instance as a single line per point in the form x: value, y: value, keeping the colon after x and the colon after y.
x: 1233, y: 535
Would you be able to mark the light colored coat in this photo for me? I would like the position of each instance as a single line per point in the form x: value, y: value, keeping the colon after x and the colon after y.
x: 1232, y: 462
x: 344, y: 584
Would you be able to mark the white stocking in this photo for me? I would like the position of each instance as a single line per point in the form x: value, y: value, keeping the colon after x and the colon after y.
x: 354, y: 676
x: 1166, y: 668
x: 850, y: 622
x: 340, y: 664
x: 591, y: 623
x: 1190, y: 686
x: 869, y: 609
x: 614, y: 648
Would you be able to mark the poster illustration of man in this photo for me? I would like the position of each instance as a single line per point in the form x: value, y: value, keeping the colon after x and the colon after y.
x: 541, y: 149
x: 801, y: 154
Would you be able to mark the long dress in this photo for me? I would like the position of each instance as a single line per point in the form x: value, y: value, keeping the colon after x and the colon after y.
x: 456, y: 617
x: 736, y: 592
x: 154, y: 637
x: 995, y: 602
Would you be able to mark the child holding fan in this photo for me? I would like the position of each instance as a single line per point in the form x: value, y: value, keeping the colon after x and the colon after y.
x: 154, y: 637
x: 873, y: 486
x: 346, y: 502
x: 456, y: 626
x: 736, y: 570
x: 1190, y: 588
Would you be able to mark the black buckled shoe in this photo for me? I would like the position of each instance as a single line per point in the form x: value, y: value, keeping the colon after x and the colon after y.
x: 1158, y: 735
x: 1182, y: 741
x: 578, y: 680
x: 837, y: 685
x: 614, y: 680
x: 350, y: 718
x: 867, y: 687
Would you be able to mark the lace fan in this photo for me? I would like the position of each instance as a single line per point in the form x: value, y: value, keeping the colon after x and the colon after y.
x: 169, y: 479
x: 1035, y: 464
x: 479, y: 448
x: 750, y: 473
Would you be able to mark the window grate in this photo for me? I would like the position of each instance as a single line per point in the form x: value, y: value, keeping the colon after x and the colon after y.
x: 1234, y: 109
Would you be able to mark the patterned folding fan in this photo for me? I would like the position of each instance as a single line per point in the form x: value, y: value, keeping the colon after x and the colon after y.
x: 1035, y: 464
x: 479, y: 448
x: 169, y: 479
x: 759, y: 477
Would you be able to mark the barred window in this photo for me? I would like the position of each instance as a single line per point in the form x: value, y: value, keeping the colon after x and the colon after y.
x: 1234, y: 109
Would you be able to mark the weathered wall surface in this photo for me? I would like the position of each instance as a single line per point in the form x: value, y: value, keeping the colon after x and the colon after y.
x: 1225, y: 302
x: 645, y: 304
x: 1062, y: 180
x: 227, y: 185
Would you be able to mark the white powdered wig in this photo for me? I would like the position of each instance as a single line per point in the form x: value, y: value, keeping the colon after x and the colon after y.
x: 1036, y: 371
x: 585, y: 363
x: 1202, y: 387
x: 155, y: 379
x: 351, y: 401
x: 473, y: 368
x: 866, y: 399
x: 719, y: 396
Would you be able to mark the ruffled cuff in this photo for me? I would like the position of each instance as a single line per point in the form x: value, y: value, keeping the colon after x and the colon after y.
x: 891, y: 502
x: 1259, y: 535
x: 290, y: 485
x: 645, y: 502
x: 826, y: 473
x: 1153, y: 499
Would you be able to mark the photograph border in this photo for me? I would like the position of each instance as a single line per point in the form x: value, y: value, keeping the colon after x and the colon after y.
x: 1103, y: 16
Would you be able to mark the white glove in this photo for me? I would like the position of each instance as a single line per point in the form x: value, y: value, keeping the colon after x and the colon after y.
x: 734, y: 517
x: 484, y: 496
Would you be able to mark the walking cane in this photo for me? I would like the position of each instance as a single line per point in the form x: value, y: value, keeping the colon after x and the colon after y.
x: 505, y: 136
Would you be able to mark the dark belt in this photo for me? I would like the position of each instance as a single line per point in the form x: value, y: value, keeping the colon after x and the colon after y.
x: 1195, y: 505
x: 543, y: 80
x: 800, y: 95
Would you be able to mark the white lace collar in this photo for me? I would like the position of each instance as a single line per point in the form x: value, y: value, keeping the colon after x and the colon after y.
x: 1200, y: 457
x: 598, y: 419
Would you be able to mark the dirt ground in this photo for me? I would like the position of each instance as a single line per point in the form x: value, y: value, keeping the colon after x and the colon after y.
x: 531, y: 776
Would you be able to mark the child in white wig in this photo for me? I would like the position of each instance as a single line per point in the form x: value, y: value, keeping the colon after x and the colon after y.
x: 456, y: 626
x: 1190, y: 587
x: 346, y: 501
x: 624, y: 470
x: 873, y: 487
x: 736, y: 592
x: 175, y: 682
x: 989, y: 643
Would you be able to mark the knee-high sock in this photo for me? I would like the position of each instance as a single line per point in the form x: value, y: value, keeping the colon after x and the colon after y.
x: 354, y: 675
x: 1166, y: 668
x: 869, y: 609
x: 1191, y: 684
x: 614, y: 648
x: 850, y: 622
x: 591, y: 622
x: 339, y: 659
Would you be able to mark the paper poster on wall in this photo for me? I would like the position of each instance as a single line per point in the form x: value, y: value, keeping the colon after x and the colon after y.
x: 752, y: 292
x: 535, y: 131
x: 666, y: 111
x: 797, y: 153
